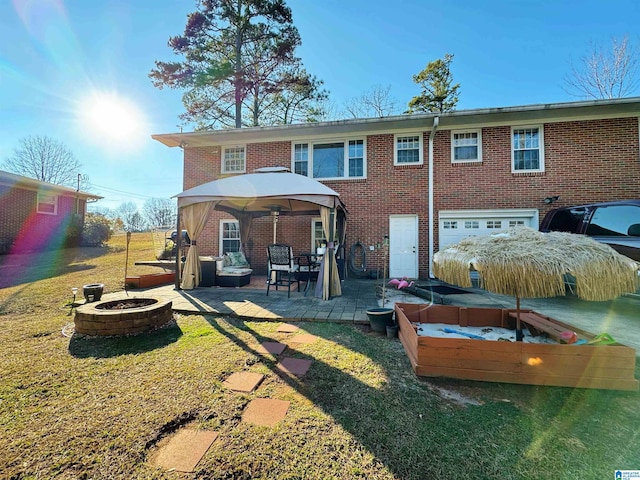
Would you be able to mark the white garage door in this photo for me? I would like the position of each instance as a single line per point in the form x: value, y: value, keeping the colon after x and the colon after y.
x: 456, y: 225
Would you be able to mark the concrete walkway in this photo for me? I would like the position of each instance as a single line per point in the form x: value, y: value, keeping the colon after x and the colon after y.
x: 620, y: 318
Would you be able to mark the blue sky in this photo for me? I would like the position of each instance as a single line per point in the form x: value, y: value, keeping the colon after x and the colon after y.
x: 59, y: 57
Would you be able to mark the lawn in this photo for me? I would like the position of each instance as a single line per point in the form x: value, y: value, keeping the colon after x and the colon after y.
x: 80, y: 408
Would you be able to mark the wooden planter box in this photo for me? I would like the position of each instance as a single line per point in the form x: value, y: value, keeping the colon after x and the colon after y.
x: 566, y: 365
x: 150, y: 280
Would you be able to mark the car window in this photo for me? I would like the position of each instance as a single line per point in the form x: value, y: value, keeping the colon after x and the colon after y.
x: 567, y: 220
x: 615, y: 220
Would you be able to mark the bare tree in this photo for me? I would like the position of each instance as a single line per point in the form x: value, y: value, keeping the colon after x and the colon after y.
x: 137, y: 223
x: 44, y: 159
x: 160, y: 212
x: 328, y: 110
x: 605, y: 72
x: 376, y: 102
x: 128, y: 213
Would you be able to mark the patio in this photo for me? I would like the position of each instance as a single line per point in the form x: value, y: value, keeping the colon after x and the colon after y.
x: 252, y: 302
x: 618, y: 317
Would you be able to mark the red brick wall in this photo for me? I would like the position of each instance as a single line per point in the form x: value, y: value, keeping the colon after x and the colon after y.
x: 585, y: 161
x: 28, y: 230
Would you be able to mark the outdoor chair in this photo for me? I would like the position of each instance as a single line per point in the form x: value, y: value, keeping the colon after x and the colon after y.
x: 308, y: 270
x: 281, y: 263
x: 233, y: 270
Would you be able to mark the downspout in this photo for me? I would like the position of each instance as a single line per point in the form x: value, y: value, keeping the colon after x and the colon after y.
x: 436, y: 122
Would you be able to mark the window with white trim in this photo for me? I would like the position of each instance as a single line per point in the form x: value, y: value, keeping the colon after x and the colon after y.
x: 466, y: 146
x: 229, y: 236
x: 301, y: 159
x: 233, y: 159
x: 317, y: 234
x: 492, y: 224
x: 408, y: 150
x: 47, y: 204
x: 516, y: 223
x: 450, y: 224
x: 472, y: 224
x: 527, y: 152
x: 330, y: 159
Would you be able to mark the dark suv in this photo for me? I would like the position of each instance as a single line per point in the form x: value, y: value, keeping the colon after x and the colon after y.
x: 614, y: 223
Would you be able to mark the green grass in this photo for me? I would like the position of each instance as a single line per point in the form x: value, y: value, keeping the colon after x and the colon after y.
x: 97, y: 408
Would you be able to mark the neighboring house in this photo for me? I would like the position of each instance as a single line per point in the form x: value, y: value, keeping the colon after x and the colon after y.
x: 427, y: 180
x: 36, y: 215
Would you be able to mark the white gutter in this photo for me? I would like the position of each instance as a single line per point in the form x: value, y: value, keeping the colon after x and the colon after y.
x: 436, y: 122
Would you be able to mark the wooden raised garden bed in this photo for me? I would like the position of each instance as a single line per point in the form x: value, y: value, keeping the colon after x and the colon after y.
x: 567, y: 365
x: 150, y: 280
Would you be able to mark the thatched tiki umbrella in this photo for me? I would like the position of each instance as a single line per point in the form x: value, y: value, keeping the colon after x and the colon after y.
x: 525, y: 263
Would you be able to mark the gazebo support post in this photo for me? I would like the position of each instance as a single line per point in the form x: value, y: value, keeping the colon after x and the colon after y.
x: 332, y: 214
x: 178, y: 245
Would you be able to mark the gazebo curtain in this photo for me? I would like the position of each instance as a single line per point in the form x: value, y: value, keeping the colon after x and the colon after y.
x: 330, y: 278
x: 195, y: 218
x: 245, y: 221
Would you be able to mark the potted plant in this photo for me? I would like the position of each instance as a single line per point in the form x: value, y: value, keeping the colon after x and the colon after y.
x: 380, y: 317
x: 93, y: 291
x: 392, y: 330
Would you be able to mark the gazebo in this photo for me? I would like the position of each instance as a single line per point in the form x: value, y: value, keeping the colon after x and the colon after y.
x: 268, y: 191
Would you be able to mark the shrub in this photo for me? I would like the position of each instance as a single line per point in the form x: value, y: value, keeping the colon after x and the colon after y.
x: 73, y: 234
x: 96, y: 230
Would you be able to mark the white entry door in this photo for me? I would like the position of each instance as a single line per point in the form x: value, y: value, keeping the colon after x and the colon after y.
x: 403, y: 246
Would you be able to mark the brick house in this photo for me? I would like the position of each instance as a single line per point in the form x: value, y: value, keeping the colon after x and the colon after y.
x: 427, y: 180
x: 36, y: 215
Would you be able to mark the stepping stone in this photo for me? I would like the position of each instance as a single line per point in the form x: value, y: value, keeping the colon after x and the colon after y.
x: 304, y: 338
x: 184, y: 450
x: 275, y: 348
x: 243, y: 381
x: 287, y: 328
x: 295, y: 366
x: 265, y: 411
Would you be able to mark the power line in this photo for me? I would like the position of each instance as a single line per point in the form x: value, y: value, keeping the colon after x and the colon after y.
x: 122, y: 191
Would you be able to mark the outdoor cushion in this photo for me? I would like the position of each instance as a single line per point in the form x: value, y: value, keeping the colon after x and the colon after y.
x: 234, y: 271
x: 235, y: 259
x: 233, y: 264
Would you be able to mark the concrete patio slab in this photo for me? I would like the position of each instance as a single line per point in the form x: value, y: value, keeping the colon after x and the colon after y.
x: 243, y: 381
x: 265, y: 411
x: 184, y: 449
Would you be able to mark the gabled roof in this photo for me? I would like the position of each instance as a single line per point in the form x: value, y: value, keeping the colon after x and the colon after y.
x: 19, y: 181
x: 540, y: 113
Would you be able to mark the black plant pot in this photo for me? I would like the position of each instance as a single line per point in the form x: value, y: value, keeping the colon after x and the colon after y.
x: 379, y: 318
x: 392, y: 331
x: 93, y: 292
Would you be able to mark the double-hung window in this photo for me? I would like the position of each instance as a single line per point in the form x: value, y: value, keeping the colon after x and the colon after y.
x: 230, y: 236
x: 466, y: 146
x: 408, y: 150
x: 233, y: 159
x: 47, y: 204
x: 301, y: 159
x: 330, y: 159
x: 317, y: 233
x: 527, y: 151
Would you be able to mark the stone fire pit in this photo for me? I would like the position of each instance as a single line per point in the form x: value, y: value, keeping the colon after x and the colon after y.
x: 124, y: 316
